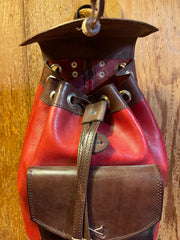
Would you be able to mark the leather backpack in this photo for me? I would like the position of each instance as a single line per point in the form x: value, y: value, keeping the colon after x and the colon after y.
x: 93, y: 163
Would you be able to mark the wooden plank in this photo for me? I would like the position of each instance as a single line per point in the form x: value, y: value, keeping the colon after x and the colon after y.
x: 14, y: 112
x: 157, y: 62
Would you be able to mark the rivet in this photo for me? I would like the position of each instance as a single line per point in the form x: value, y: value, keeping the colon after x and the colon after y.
x: 74, y: 74
x: 56, y: 68
x: 93, y: 112
x: 99, y: 142
x: 74, y: 64
x: 102, y: 64
x: 102, y: 74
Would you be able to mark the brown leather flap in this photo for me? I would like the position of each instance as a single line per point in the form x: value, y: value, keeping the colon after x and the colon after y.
x: 125, y: 200
x: 113, y: 27
x: 116, y: 39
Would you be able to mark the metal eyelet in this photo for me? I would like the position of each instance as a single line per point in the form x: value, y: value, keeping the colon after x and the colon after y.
x: 126, y: 95
x: 75, y: 74
x: 129, y: 72
x: 102, y: 74
x: 69, y: 100
x: 105, y: 98
x: 120, y: 66
x: 102, y: 64
x: 74, y: 64
x: 52, y: 94
x: 56, y: 68
x: 50, y: 76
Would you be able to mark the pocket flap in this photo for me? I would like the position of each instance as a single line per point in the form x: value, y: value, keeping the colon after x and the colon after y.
x: 123, y: 200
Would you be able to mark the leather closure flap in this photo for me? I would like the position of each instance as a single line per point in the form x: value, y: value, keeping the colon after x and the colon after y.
x: 123, y: 201
x: 116, y: 39
x: 114, y: 27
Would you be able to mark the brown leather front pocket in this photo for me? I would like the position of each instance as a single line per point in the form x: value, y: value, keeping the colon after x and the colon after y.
x: 126, y: 201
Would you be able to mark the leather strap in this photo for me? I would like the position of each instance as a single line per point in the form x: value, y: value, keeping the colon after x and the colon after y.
x: 94, y: 112
x: 100, y: 12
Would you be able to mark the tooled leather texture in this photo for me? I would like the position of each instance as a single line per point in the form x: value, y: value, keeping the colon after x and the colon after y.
x: 128, y: 204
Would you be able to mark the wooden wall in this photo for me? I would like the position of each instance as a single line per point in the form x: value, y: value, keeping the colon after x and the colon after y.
x: 157, y: 62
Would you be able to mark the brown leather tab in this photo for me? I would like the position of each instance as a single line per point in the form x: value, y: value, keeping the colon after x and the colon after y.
x: 130, y: 68
x: 125, y: 200
x: 64, y: 98
x: 47, y: 71
x: 131, y: 86
x: 95, y: 112
x: 116, y: 102
x: 101, y: 143
x: 49, y: 90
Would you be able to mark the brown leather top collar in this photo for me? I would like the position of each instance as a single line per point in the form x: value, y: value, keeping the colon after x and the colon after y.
x: 114, y: 27
x: 116, y: 39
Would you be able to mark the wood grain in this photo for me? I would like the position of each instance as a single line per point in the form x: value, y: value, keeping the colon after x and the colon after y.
x: 157, y: 62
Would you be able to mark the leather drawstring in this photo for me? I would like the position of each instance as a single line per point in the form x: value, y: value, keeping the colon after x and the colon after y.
x: 100, y: 11
x: 80, y: 100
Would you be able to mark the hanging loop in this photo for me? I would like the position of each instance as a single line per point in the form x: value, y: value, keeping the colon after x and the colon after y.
x: 91, y: 26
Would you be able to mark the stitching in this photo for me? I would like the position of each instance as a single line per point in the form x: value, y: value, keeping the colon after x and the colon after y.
x: 32, y: 208
x: 91, y: 136
x: 84, y: 166
x: 158, y: 206
x: 30, y: 195
x: 159, y: 192
x: 53, y: 229
x: 79, y: 180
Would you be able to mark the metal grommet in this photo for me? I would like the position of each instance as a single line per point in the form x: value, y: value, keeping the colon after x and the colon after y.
x: 126, y: 95
x: 129, y: 72
x: 52, y: 94
x: 50, y: 76
x: 102, y: 74
x: 74, y: 64
x: 87, y: 28
x: 75, y: 74
x: 102, y: 64
x: 105, y: 98
x: 56, y: 68
x: 69, y: 100
x: 120, y: 66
